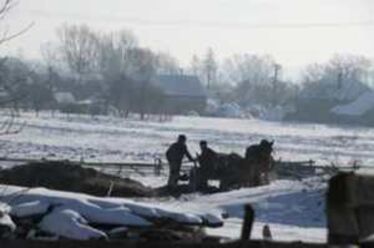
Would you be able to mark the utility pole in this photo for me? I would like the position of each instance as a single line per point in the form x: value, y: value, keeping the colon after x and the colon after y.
x: 277, y: 68
x: 210, y: 67
x: 340, y: 80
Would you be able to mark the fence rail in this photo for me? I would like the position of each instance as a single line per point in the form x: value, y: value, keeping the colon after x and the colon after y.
x: 83, y: 162
x: 138, y: 167
x: 157, y: 167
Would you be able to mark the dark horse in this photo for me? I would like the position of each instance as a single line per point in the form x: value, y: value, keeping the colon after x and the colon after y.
x: 259, y: 158
x: 234, y: 171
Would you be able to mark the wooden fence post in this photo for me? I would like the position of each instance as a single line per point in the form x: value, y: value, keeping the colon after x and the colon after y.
x: 249, y: 217
x: 158, y: 167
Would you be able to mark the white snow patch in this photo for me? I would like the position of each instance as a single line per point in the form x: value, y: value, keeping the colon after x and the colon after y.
x: 5, y: 220
x: 69, y: 224
x: 116, y: 211
x: 29, y: 209
x: 294, y: 210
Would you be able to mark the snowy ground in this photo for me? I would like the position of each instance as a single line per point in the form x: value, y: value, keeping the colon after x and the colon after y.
x: 294, y: 210
x: 114, y: 139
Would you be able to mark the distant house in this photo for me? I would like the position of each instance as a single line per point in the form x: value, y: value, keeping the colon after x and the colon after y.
x: 183, y: 93
x: 66, y: 102
x: 359, y: 111
x: 315, y: 103
x: 63, y: 98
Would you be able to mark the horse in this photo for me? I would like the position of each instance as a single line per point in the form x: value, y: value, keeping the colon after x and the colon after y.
x: 235, y: 171
x: 228, y: 171
x: 260, y: 160
x: 252, y: 170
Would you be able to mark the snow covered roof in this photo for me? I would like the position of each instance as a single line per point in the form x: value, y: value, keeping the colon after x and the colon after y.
x: 358, y: 107
x: 180, y: 85
x: 64, y: 97
x: 350, y: 91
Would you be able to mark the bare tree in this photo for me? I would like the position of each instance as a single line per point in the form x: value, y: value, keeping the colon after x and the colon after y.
x: 5, y: 34
x: 141, y: 66
x: 249, y: 67
x: 14, y: 74
x: 125, y: 70
x: 313, y: 73
x: 79, y: 48
x: 343, y: 77
x: 112, y: 53
x: 11, y: 80
x: 348, y: 68
x: 8, y: 88
x: 195, y: 66
x: 121, y: 94
x: 51, y: 56
x: 167, y: 64
x: 253, y: 76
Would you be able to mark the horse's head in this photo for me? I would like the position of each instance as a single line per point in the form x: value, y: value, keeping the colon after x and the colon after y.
x: 266, y: 147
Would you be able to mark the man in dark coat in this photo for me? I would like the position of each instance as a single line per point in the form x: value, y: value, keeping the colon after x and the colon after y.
x: 175, y: 155
x: 207, y: 161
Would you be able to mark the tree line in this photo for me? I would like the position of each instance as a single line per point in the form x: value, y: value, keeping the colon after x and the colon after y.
x: 114, y: 70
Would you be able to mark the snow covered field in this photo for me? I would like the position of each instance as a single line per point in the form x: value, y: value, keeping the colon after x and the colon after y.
x: 294, y: 210
x: 114, y: 139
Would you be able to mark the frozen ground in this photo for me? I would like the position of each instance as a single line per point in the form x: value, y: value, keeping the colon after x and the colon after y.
x: 294, y: 210
x: 114, y: 139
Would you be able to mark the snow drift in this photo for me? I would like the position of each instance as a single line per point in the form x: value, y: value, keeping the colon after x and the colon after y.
x: 76, y: 216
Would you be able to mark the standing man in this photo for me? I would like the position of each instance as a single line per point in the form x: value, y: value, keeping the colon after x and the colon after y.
x: 175, y: 155
x: 207, y: 161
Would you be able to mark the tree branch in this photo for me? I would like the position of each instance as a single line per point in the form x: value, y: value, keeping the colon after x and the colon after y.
x: 7, y: 37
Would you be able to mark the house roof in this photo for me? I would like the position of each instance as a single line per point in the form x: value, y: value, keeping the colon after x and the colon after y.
x: 64, y: 97
x: 180, y: 85
x: 358, y: 107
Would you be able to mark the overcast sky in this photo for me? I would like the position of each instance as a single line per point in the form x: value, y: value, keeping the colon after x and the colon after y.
x: 295, y: 32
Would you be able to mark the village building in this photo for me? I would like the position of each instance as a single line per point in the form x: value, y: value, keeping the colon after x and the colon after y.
x: 360, y: 111
x: 183, y: 94
x: 315, y: 104
x: 63, y: 98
